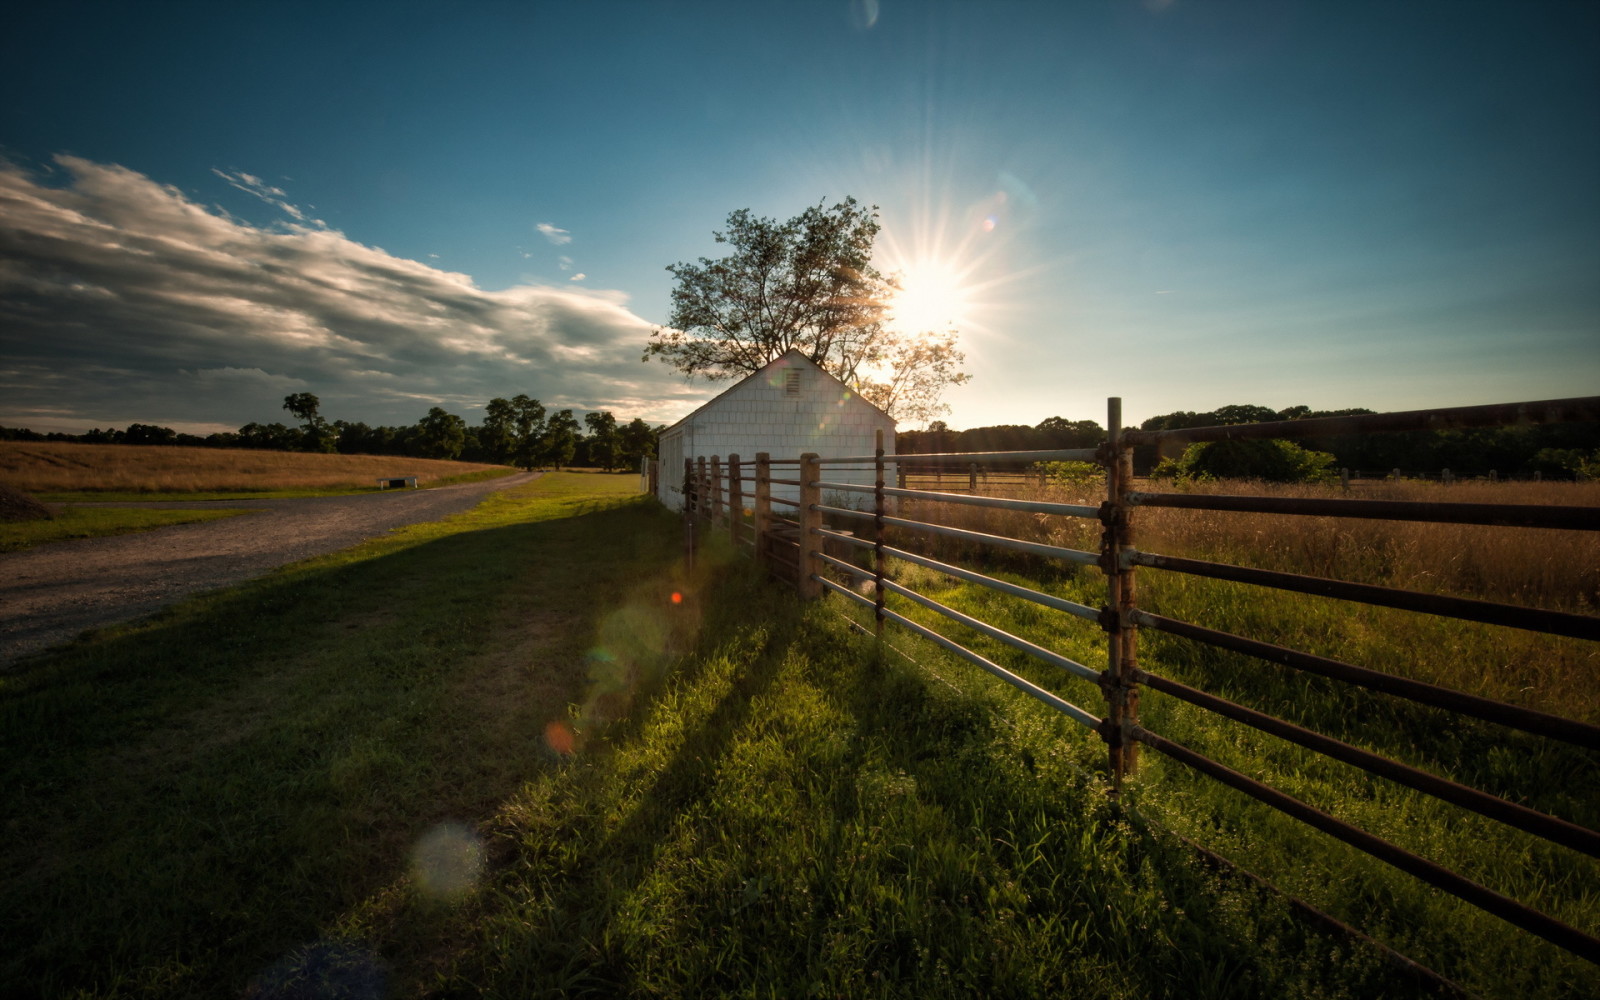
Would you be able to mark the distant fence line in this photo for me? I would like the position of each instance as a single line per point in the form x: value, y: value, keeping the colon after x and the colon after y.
x: 795, y: 543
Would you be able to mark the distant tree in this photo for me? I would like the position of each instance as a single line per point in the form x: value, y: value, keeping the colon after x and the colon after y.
x: 498, y: 436
x: 1272, y: 460
x: 605, y: 447
x: 638, y: 442
x: 560, y: 439
x: 272, y: 437
x: 149, y: 434
x: 1059, y: 432
x: 440, y: 434
x: 529, y: 430
x: 807, y: 284
x: 317, y: 433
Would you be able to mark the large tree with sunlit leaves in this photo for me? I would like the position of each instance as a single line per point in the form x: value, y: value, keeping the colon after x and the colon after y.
x: 807, y: 284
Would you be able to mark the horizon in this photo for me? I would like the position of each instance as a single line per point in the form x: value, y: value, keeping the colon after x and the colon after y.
x: 1184, y: 205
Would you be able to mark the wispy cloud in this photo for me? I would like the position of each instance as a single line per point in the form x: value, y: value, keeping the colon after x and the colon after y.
x: 560, y: 237
x: 564, y: 262
x: 275, y: 196
x: 122, y: 299
x: 578, y: 277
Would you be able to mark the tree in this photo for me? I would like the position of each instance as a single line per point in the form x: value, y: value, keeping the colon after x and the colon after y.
x: 807, y: 284
x: 604, y: 445
x: 498, y: 436
x: 560, y: 438
x: 318, y: 434
x: 149, y: 434
x: 638, y: 442
x: 528, y: 429
x: 440, y: 434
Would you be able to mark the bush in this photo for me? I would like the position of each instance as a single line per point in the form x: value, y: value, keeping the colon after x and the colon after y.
x: 1075, y: 474
x: 1271, y: 460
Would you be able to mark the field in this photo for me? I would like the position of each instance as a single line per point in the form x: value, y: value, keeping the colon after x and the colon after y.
x: 53, y: 468
x: 526, y: 752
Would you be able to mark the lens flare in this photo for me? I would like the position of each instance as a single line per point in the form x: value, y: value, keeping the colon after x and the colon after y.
x: 558, y: 736
x: 447, y: 861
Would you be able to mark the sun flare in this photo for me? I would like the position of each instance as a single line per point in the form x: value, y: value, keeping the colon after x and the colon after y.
x: 931, y: 298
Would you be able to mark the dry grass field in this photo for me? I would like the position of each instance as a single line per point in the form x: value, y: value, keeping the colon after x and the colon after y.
x: 67, y: 467
x: 1543, y: 568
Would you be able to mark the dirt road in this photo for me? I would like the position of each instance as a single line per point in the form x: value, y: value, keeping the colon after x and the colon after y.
x: 50, y: 594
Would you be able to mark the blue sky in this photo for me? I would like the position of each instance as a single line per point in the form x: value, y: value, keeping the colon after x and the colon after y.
x: 205, y: 207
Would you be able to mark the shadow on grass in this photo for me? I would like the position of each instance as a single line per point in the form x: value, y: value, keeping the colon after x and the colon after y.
x: 189, y: 798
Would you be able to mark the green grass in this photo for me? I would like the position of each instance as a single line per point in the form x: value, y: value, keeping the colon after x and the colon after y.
x: 87, y: 522
x: 124, y: 496
x: 526, y: 752
x: 1478, y: 950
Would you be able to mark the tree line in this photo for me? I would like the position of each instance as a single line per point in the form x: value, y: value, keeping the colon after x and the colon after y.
x: 517, y: 431
x: 1554, y: 451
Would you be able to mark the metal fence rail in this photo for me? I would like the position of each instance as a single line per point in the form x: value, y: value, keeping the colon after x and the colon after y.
x: 820, y: 551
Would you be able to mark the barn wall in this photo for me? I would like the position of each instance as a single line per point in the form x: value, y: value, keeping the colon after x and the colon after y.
x: 758, y: 415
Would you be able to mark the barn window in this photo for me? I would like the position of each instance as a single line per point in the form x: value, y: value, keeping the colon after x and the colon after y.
x: 791, y: 382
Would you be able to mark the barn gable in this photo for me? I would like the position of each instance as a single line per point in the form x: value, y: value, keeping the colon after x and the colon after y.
x: 786, y: 409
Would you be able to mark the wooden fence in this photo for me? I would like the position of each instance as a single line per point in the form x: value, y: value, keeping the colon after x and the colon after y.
x: 802, y: 540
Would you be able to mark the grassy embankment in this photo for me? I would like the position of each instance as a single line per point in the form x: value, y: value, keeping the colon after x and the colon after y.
x: 394, y: 764
x: 68, y: 471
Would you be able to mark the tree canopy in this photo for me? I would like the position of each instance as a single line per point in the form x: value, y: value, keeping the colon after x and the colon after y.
x: 807, y: 284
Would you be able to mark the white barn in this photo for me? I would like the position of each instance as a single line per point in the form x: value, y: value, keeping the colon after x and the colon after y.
x: 786, y: 409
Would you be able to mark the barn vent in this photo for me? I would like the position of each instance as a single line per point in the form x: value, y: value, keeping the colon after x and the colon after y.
x: 791, y: 382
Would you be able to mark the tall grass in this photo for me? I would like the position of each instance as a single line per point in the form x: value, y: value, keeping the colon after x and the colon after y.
x: 70, y: 467
x: 1550, y: 569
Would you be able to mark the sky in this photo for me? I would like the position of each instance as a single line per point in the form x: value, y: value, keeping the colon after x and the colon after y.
x: 205, y: 207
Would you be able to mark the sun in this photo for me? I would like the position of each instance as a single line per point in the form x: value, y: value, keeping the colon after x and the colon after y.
x: 932, y: 298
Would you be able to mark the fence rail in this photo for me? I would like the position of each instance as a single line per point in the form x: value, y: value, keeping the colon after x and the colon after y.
x: 715, y: 489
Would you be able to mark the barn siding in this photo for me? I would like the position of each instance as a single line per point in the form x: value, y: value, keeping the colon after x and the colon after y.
x: 757, y: 415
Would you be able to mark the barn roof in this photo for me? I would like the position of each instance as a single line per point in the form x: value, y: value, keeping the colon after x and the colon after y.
x: 785, y: 356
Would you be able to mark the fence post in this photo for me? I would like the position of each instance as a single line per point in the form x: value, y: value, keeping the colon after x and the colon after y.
x: 688, y: 512
x: 810, y: 520
x: 877, y: 543
x: 1122, y: 694
x: 716, y: 490
x: 972, y: 477
x: 735, y: 500
x: 1344, y: 478
x: 900, y: 474
x: 701, y: 508
x: 763, y: 505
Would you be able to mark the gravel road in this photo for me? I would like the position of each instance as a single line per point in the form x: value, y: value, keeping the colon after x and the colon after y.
x: 51, y: 593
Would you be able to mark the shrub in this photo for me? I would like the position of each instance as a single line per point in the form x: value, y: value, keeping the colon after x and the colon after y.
x: 1072, y: 473
x: 1270, y: 460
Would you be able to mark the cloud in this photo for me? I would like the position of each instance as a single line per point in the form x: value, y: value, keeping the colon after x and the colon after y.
x: 564, y: 262
x: 274, y: 196
x: 560, y: 237
x: 578, y: 277
x: 123, y: 300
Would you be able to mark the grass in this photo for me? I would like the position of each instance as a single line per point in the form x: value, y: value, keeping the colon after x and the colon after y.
x: 526, y: 752
x: 64, y: 469
x: 1551, y: 569
x: 93, y: 522
x: 154, y: 495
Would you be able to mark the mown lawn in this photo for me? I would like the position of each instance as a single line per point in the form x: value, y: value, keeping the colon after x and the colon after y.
x: 526, y: 752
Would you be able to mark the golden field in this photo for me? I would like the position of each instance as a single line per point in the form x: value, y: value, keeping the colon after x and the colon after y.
x: 1535, y: 567
x: 69, y: 467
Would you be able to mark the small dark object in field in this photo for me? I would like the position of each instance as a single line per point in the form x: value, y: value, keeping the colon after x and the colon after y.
x: 16, y: 505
